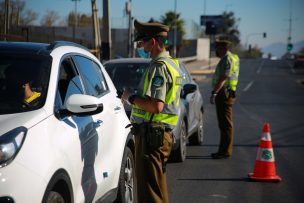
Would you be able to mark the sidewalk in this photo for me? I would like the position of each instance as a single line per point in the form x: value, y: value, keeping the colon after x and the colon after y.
x: 202, y: 66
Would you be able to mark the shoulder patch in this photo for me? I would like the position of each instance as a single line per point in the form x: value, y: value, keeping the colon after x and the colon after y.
x: 158, y: 81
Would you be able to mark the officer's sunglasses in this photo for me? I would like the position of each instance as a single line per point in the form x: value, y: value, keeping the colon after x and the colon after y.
x: 142, y: 41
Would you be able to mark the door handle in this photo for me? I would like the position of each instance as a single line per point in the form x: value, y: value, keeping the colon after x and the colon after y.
x: 117, y: 109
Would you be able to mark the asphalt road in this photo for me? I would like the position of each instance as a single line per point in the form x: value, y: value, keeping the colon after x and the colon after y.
x: 268, y: 91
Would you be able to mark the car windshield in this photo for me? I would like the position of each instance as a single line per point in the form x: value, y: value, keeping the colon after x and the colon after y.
x: 126, y: 74
x: 23, y: 82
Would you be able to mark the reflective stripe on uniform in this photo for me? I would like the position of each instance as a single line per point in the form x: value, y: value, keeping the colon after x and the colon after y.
x: 169, y: 113
x: 232, y: 80
x: 33, y: 97
x: 234, y: 72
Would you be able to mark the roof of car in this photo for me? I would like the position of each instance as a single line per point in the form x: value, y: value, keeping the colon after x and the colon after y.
x: 34, y: 47
x: 128, y: 60
x: 23, y: 47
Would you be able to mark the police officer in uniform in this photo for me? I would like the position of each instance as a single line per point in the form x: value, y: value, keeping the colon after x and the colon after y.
x: 154, y: 112
x: 223, y: 95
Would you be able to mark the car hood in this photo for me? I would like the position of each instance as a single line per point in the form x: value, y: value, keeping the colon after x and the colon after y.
x: 26, y: 119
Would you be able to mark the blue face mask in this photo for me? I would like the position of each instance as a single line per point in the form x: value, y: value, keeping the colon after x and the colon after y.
x: 142, y: 53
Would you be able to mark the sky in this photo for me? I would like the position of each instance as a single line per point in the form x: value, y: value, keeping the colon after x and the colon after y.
x: 256, y: 16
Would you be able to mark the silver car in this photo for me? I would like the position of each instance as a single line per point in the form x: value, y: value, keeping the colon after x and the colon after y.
x: 127, y: 73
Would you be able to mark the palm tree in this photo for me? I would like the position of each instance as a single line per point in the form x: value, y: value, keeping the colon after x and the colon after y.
x: 230, y: 27
x: 169, y: 19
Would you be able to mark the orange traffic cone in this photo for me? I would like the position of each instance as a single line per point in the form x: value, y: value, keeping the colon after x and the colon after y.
x: 264, y: 169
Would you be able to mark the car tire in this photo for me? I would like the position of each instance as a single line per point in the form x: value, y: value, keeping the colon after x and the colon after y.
x: 59, y: 189
x: 198, y: 137
x: 127, y: 190
x: 54, y: 197
x: 179, y: 155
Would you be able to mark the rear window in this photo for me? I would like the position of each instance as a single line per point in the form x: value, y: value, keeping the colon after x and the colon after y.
x: 23, y: 82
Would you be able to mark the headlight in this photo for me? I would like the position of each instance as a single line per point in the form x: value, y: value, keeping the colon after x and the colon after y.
x: 10, y: 144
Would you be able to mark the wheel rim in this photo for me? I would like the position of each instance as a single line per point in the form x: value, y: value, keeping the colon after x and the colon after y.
x: 129, y: 181
x: 183, y: 141
x: 200, y: 132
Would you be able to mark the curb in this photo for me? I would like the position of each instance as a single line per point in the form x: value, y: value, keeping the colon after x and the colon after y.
x: 197, y: 72
x: 204, y: 69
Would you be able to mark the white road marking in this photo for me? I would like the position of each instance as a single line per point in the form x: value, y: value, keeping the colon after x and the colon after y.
x: 291, y: 67
x: 260, y: 67
x: 219, y: 196
x: 248, y: 86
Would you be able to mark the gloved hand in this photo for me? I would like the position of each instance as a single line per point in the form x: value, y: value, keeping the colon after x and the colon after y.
x: 212, y: 98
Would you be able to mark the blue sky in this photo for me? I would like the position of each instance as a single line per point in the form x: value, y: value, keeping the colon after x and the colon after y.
x: 257, y: 16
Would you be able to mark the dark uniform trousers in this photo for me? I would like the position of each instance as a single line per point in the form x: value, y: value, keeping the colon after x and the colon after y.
x: 150, y: 171
x: 224, y: 102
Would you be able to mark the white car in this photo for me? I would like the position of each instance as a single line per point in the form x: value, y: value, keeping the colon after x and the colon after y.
x: 71, y: 144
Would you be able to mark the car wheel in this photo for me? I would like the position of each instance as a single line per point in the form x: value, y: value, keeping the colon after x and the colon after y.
x: 179, y: 155
x: 198, y: 137
x: 59, y: 189
x: 127, y: 183
x: 55, y: 197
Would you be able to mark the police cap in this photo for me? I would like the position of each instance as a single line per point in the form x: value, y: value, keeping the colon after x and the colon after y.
x: 223, y: 40
x: 150, y: 30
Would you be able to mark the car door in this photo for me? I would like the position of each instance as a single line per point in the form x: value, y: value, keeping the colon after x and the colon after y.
x: 84, y: 142
x: 107, y: 124
x: 189, y: 100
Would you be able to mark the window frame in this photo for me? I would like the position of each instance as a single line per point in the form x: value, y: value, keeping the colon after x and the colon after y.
x: 58, y: 103
x: 186, y: 73
x: 107, y: 91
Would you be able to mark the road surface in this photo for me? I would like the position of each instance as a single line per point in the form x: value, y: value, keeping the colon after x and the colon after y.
x: 268, y: 91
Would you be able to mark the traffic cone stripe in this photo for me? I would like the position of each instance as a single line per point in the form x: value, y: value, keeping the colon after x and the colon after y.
x: 265, y: 144
x: 266, y: 136
x: 265, y: 154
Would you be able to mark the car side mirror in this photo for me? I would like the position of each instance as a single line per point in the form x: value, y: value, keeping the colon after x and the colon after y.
x: 188, y: 88
x: 81, y: 105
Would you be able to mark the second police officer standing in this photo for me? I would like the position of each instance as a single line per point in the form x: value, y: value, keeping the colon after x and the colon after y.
x: 223, y: 95
x: 154, y: 112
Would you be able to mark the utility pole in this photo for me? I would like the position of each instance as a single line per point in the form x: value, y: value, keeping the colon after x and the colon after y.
x: 96, y: 29
x: 175, y: 31
x: 130, y: 40
x: 75, y: 20
x: 289, y: 44
x: 6, y: 20
x: 106, y: 34
x: 209, y: 60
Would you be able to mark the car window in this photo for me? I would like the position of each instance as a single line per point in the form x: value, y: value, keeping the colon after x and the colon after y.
x: 24, y: 81
x: 69, y: 82
x: 92, y: 76
x: 126, y: 74
x: 185, y: 74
